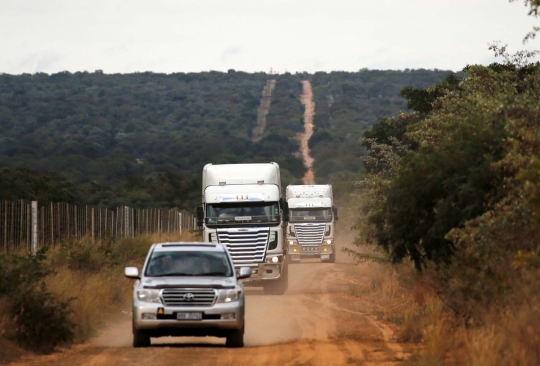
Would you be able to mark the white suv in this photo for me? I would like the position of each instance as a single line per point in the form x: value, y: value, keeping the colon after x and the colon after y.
x: 188, y: 289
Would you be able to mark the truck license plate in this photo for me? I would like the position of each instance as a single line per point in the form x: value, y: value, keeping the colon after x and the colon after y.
x: 188, y: 316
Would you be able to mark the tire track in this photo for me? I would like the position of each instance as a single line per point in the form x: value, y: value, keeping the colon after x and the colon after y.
x: 307, y: 100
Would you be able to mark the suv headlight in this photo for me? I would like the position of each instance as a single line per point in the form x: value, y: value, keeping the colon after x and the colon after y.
x: 149, y: 296
x: 229, y: 295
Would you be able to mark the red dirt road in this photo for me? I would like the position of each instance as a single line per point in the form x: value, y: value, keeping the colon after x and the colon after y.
x: 317, y: 322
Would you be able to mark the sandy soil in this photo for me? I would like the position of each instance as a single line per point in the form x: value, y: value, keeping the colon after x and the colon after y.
x: 307, y: 101
x: 317, y: 322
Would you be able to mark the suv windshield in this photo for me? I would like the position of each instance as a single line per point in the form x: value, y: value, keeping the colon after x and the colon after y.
x: 311, y: 214
x: 188, y: 263
x: 242, y: 212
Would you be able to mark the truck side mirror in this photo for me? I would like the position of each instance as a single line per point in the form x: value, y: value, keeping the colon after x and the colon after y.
x: 200, y: 216
x: 285, y: 208
x: 335, y: 213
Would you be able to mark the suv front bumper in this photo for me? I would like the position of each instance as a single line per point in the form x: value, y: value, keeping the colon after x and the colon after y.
x: 215, y: 318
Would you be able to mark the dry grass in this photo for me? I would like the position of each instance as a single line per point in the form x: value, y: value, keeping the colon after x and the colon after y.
x: 400, y: 296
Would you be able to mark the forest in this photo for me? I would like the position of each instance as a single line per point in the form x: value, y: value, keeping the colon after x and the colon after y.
x: 142, y: 139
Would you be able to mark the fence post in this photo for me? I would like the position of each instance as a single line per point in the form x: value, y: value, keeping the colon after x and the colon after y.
x: 180, y: 222
x: 93, y: 223
x: 34, y: 227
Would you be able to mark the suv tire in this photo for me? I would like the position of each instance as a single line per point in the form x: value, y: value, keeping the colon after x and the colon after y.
x: 235, y: 339
x: 280, y: 286
x: 140, y: 338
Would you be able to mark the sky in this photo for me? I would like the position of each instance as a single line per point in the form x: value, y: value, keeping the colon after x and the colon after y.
x: 123, y: 36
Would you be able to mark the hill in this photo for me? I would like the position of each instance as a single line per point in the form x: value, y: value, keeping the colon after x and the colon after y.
x: 126, y: 137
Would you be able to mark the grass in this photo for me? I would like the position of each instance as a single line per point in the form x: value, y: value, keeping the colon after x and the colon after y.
x: 499, y: 335
x: 481, y: 325
x: 89, y: 277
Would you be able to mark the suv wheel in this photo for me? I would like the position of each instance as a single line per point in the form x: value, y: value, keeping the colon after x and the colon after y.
x: 140, y: 339
x: 235, y: 338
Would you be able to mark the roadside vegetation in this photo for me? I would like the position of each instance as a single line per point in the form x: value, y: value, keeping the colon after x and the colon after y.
x: 452, y: 189
x: 62, y: 295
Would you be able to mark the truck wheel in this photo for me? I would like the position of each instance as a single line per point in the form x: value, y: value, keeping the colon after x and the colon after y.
x: 280, y: 286
x: 289, y: 260
x: 235, y: 338
x: 140, y: 338
x: 332, y: 258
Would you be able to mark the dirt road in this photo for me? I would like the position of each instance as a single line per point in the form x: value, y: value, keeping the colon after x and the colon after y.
x: 317, y: 322
x: 307, y: 101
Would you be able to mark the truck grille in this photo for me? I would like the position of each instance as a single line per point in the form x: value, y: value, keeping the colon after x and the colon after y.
x: 310, y: 234
x: 246, y: 246
x: 188, y: 297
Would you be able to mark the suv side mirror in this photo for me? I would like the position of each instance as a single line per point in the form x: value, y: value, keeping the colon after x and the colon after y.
x: 132, y: 272
x: 200, y: 215
x: 335, y: 213
x: 244, y: 272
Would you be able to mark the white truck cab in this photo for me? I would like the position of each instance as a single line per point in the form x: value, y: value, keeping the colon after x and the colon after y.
x: 312, y: 217
x: 242, y: 208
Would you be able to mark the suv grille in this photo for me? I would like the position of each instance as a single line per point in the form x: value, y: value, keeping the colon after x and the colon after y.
x: 246, y: 246
x: 188, y: 297
x: 310, y: 234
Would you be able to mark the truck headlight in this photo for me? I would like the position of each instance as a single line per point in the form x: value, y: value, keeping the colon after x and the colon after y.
x: 292, y: 242
x: 328, y: 241
x: 149, y: 296
x: 229, y: 295
x: 274, y: 259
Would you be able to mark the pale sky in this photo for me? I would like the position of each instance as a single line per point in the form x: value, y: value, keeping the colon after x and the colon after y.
x: 255, y: 35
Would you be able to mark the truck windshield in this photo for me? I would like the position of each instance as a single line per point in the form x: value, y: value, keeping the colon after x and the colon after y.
x: 311, y: 214
x: 188, y: 263
x: 242, y: 212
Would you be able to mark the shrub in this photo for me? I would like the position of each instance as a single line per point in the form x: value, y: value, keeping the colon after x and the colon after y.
x: 37, y: 319
x: 41, y: 321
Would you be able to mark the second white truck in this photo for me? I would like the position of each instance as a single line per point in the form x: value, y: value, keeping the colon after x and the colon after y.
x: 311, y: 227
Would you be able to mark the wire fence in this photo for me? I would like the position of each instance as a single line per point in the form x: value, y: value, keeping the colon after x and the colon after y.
x: 24, y: 223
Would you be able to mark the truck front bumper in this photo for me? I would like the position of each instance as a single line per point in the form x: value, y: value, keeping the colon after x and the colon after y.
x: 263, y: 272
x: 323, y: 251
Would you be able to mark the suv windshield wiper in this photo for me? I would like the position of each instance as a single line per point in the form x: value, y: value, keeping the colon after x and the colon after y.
x: 211, y: 274
x: 172, y: 274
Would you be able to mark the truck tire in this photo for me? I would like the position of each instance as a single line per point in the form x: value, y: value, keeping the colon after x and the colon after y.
x: 140, y: 339
x: 280, y: 286
x: 332, y: 258
x: 235, y: 339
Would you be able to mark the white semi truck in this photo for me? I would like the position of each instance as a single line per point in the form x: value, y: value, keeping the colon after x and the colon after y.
x: 312, y: 218
x: 243, y: 208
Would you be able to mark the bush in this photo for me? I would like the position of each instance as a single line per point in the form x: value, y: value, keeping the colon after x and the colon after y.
x: 37, y: 319
x: 41, y: 321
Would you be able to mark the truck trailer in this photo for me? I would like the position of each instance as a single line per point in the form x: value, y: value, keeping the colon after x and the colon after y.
x: 243, y: 208
x: 311, y: 227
